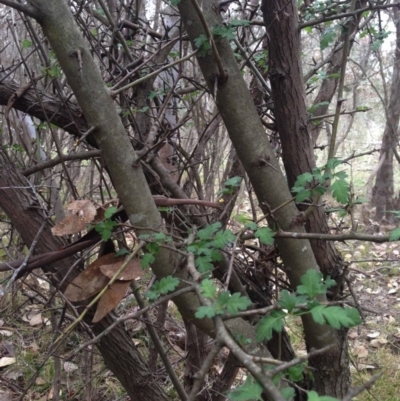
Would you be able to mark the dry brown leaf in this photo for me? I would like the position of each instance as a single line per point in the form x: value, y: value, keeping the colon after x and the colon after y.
x: 100, y: 215
x: 82, y: 212
x: 360, y: 351
x: 131, y: 271
x: 39, y: 381
x: 378, y: 342
x: 90, y: 281
x: 82, y: 208
x: 110, y: 299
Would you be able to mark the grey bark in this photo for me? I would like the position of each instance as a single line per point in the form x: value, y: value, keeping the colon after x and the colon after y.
x: 248, y: 137
x: 383, y: 190
x: 127, y: 176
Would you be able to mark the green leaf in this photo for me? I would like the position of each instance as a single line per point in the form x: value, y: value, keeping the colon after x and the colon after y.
x: 288, y: 393
x: 203, y: 264
x: 317, y: 314
x: 208, y: 288
x: 233, y: 182
x: 342, y: 175
x: 146, y: 260
x: 109, y: 212
x: 236, y: 302
x: 290, y: 300
x: 250, y: 390
x: 209, y: 231
x: 253, y: 226
x: 122, y: 252
x: 223, y: 32
x: 26, y: 44
x: 205, y: 311
x: 265, y: 235
x: 395, y: 234
x: 222, y: 238
x: 328, y: 37
x: 335, y: 316
x: 203, y: 45
x: 312, y: 284
x: 275, y: 321
x: 303, y: 195
x: 168, y: 284
x: 303, y: 180
x: 163, y: 286
x: 105, y: 229
x: 329, y: 282
x: 333, y: 163
x: 296, y: 373
x: 316, y: 106
x: 340, y: 191
x: 313, y: 396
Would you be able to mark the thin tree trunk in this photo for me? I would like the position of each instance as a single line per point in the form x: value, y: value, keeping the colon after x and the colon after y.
x: 383, y: 191
x: 281, y: 20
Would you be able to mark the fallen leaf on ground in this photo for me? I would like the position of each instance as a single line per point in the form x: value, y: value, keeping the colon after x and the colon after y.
x: 6, y: 361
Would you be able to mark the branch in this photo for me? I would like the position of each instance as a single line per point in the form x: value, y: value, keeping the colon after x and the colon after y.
x: 152, y: 74
x: 30, y: 11
x: 222, y: 74
x: 348, y: 14
x: 333, y: 237
x: 57, y: 160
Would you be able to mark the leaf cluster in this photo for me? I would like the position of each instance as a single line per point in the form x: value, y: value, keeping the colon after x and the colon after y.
x: 207, y: 245
x: 106, y: 227
x: 305, y: 301
x: 162, y: 287
x: 319, y: 177
x: 222, y: 302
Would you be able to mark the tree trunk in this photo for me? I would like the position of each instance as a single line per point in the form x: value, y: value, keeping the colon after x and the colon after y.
x: 281, y: 20
x: 248, y: 137
x: 383, y: 190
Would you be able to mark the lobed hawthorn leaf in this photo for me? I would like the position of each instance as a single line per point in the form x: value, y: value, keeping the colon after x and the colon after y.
x: 208, y: 288
x: 303, y: 180
x: 288, y: 393
x: 205, y: 311
x: 161, y: 287
x: 290, y: 300
x: 222, y: 239
x: 333, y: 163
x: 233, y: 303
x: 265, y: 235
x: 146, y: 260
x: 203, y: 264
x: 340, y: 190
x: 335, y: 316
x: 274, y: 321
x: 311, y: 284
x: 207, y: 232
